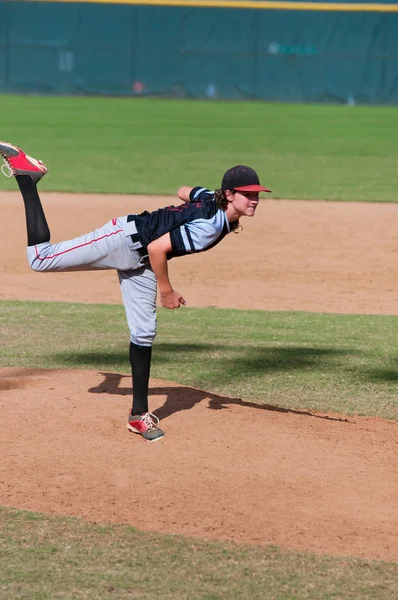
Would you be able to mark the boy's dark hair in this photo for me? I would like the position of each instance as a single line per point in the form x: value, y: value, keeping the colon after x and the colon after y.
x: 220, y: 198
x: 222, y: 202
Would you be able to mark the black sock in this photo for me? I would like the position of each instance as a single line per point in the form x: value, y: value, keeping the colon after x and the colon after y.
x: 140, y: 360
x: 36, y: 224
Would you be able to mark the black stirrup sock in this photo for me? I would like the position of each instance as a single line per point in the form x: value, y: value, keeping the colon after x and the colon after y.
x: 36, y: 224
x: 140, y: 360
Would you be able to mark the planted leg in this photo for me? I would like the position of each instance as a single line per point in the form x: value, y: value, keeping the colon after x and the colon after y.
x: 139, y: 296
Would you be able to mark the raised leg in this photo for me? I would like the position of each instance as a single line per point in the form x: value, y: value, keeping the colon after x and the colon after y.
x: 36, y: 224
x: 103, y: 248
x: 28, y: 171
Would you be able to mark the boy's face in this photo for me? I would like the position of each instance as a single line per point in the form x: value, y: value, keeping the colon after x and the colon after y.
x: 245, y: 203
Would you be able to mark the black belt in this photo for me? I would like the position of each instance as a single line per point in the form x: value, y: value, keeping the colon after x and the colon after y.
x: 141, y: 251
x: 135, y: 238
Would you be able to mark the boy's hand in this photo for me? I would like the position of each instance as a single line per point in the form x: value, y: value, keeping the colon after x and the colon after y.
x: 171, y: 299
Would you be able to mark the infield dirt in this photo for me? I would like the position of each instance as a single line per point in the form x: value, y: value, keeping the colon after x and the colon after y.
x: 227, y: 468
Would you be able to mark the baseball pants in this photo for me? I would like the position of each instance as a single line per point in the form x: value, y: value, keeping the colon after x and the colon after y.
x: 108, y: 248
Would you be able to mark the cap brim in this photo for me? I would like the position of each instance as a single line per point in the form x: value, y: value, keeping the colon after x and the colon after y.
x: 252, y: 188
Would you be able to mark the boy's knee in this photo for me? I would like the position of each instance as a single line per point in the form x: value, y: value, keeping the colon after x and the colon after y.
x: 35, y: 263
x: 143, y: 338
x: 36, y: 260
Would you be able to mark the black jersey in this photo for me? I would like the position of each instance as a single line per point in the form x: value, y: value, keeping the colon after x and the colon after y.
x: 194, y: 226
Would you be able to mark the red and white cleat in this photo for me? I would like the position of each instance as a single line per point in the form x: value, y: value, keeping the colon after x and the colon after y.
x: 145, y: 425
x: 17, y: 162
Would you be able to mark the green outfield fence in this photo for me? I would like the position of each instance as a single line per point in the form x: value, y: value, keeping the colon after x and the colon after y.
x: 273, y: 51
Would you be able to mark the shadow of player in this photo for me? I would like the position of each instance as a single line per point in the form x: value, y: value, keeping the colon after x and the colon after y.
x: 181, y: 398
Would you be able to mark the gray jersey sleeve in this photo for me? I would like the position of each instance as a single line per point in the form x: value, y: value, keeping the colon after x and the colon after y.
x: 202, y: 233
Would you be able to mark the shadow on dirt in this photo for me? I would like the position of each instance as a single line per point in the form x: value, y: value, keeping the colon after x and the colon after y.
x: 184, y: 398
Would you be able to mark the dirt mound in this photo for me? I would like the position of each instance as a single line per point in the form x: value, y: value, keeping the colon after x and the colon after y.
x: 226, y: 469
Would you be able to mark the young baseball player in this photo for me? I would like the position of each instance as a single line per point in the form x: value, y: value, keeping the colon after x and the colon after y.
x: 138, y: 247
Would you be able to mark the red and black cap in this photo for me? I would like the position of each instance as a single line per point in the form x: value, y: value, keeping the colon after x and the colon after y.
x: 242, y: 179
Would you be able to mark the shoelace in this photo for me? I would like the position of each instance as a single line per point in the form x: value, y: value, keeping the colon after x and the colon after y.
x: 151, y: 420
x: 6, y: 169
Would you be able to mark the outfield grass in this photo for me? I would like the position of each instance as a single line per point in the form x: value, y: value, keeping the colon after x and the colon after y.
x: 322, y: 362
x: 152, y: 146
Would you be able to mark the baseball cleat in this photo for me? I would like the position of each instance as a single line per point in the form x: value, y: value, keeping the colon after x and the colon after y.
x: 145, y: 425
x: 17, y: 162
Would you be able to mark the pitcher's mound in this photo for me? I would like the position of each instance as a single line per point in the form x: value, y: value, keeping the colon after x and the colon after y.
x: 227, y: 468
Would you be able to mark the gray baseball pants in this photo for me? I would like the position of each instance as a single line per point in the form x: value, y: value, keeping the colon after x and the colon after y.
x: 109, y: 247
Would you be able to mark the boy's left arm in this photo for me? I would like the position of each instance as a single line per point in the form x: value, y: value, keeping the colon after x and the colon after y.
x: 184, y: 193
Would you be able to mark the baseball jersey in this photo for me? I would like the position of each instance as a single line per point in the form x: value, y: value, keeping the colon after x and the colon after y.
x: 194, y: 226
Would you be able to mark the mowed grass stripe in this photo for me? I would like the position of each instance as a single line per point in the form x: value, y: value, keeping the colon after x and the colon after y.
x: 152, y: 146
x: 322, y: 362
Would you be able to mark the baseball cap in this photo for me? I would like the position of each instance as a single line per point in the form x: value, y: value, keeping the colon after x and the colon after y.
x: 242, y: 179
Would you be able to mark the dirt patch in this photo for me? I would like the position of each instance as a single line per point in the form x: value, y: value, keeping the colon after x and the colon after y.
x: 227, y: 468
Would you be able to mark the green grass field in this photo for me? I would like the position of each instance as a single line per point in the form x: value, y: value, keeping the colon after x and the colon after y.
x: 322, y: 362
x: 153, y: 146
